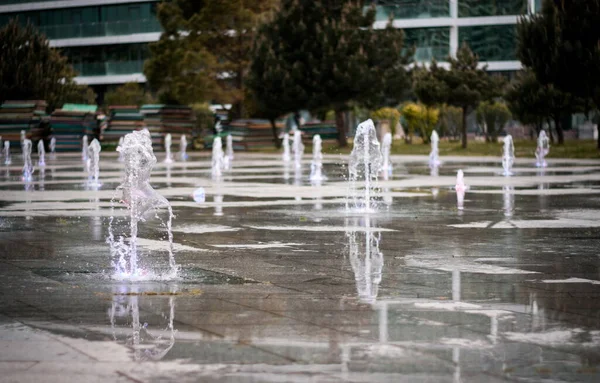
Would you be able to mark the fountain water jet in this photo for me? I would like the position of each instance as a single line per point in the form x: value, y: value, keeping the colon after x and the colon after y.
x: 84, y: 148
x: 217, y: 158
x: 542, y: 150
x: 434, y: 156
x: 183, y: 148
x: 118, y: 146
x: 7, y: 159
x: 316, y: 166
x: 508, y: 155
x: 460, y: 188
x: 41, y: 153
x: 365, y: 161
x: 52, y: 146
x: 139, y: 197
x: 94, y: 164
x: 386, y: 146
x: 286, y: 148
x: 298, y: 149
x: 168, y: 156
x: 229, y: 151
x: 27, y: 165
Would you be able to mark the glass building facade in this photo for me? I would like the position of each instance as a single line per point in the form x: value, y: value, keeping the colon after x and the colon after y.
x: 107, y: 41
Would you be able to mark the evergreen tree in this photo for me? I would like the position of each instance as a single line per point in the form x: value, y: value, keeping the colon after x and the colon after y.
x: 463, y: 85
x: 561, y: 45
x: 130, y: 93
x: 204, y: 51
x: 326, y: 55
x: 30, y: 69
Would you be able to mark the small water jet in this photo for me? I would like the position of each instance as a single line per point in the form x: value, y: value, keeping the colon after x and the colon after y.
x: 542, y: 150
x: 27, y: 164
x: 52, y: 147
x: 140, y: 198
x: 93, y: 165
x: 84, y: 148
x: 298, y: 149
x: 365, y: 161
x: 386, y: 147
x: 183, y: 148
x: 508, y: 155
x: 118, y: 146
x: 508, y: 197
x: 168, y: 156
x: 460, y: 188
x: 217, y: 158
x: 286, y: 148
x: 41, y: 153
x: 7, y: 159
x: 229, y: 152
x: 316, y: 166
x: 23, y: 137
x: 434, y: 156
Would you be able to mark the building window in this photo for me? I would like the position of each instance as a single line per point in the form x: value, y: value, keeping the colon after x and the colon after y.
x: 491, y: 42
x: 477, y: 8
x: 429, y: 43
x: 412, y: 9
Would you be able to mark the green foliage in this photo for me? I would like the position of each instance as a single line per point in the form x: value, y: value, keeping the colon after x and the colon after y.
x: 493, y: 116
x: 464, y: 85
x: 560, y: 46
x: 533, y: 103
x: 420, y: 118
x: 130, y: 93
x: 210, y: 60
x: 204, y: 118
x: 80, y: 94
x: 450, y: 121
x: 392, y: 115
x: 31, y: 70
x: 325, y: 54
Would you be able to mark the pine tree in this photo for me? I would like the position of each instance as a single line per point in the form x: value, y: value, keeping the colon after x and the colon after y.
x: 561, y: 45
x: 328, y: 56
x: 463, y: 85
x: 31, y: 69
x: 204, y: 51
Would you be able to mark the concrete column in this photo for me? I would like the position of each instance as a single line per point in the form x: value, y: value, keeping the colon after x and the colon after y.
x: 454, y: 39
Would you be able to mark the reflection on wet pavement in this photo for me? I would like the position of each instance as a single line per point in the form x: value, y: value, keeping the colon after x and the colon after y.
x: 279, y: 283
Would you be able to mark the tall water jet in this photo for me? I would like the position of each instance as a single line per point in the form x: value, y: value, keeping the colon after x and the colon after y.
x: 542, y: 150
x: 27, y: 165
x: 365, y: 161
x: 94, y: 164
x: 386, y: 147
x: 460, y: 188
x: 217, y: 158
x: 434, y: 156
x: 84, y: 148
x: 7, y: 159
x: 286, y: 148
x: 316, y: 166
x: 41, y: 153
x: 23, y: 137
x: 168, y: 156
x: 508, y: 155
x: 298, y: 149
x: 139, y: 197
x: 183, y: 148
x: 228, y: 152
x: 52, y: 147
x: 121, y: 159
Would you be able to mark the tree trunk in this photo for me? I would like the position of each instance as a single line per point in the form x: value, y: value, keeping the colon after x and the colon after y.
x: 464, y: 127
x: 275, y: 136
x: 341, y: 128
x: 559, y: 131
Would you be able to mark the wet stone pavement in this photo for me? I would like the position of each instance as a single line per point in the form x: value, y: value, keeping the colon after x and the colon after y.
x: 279, y: 283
